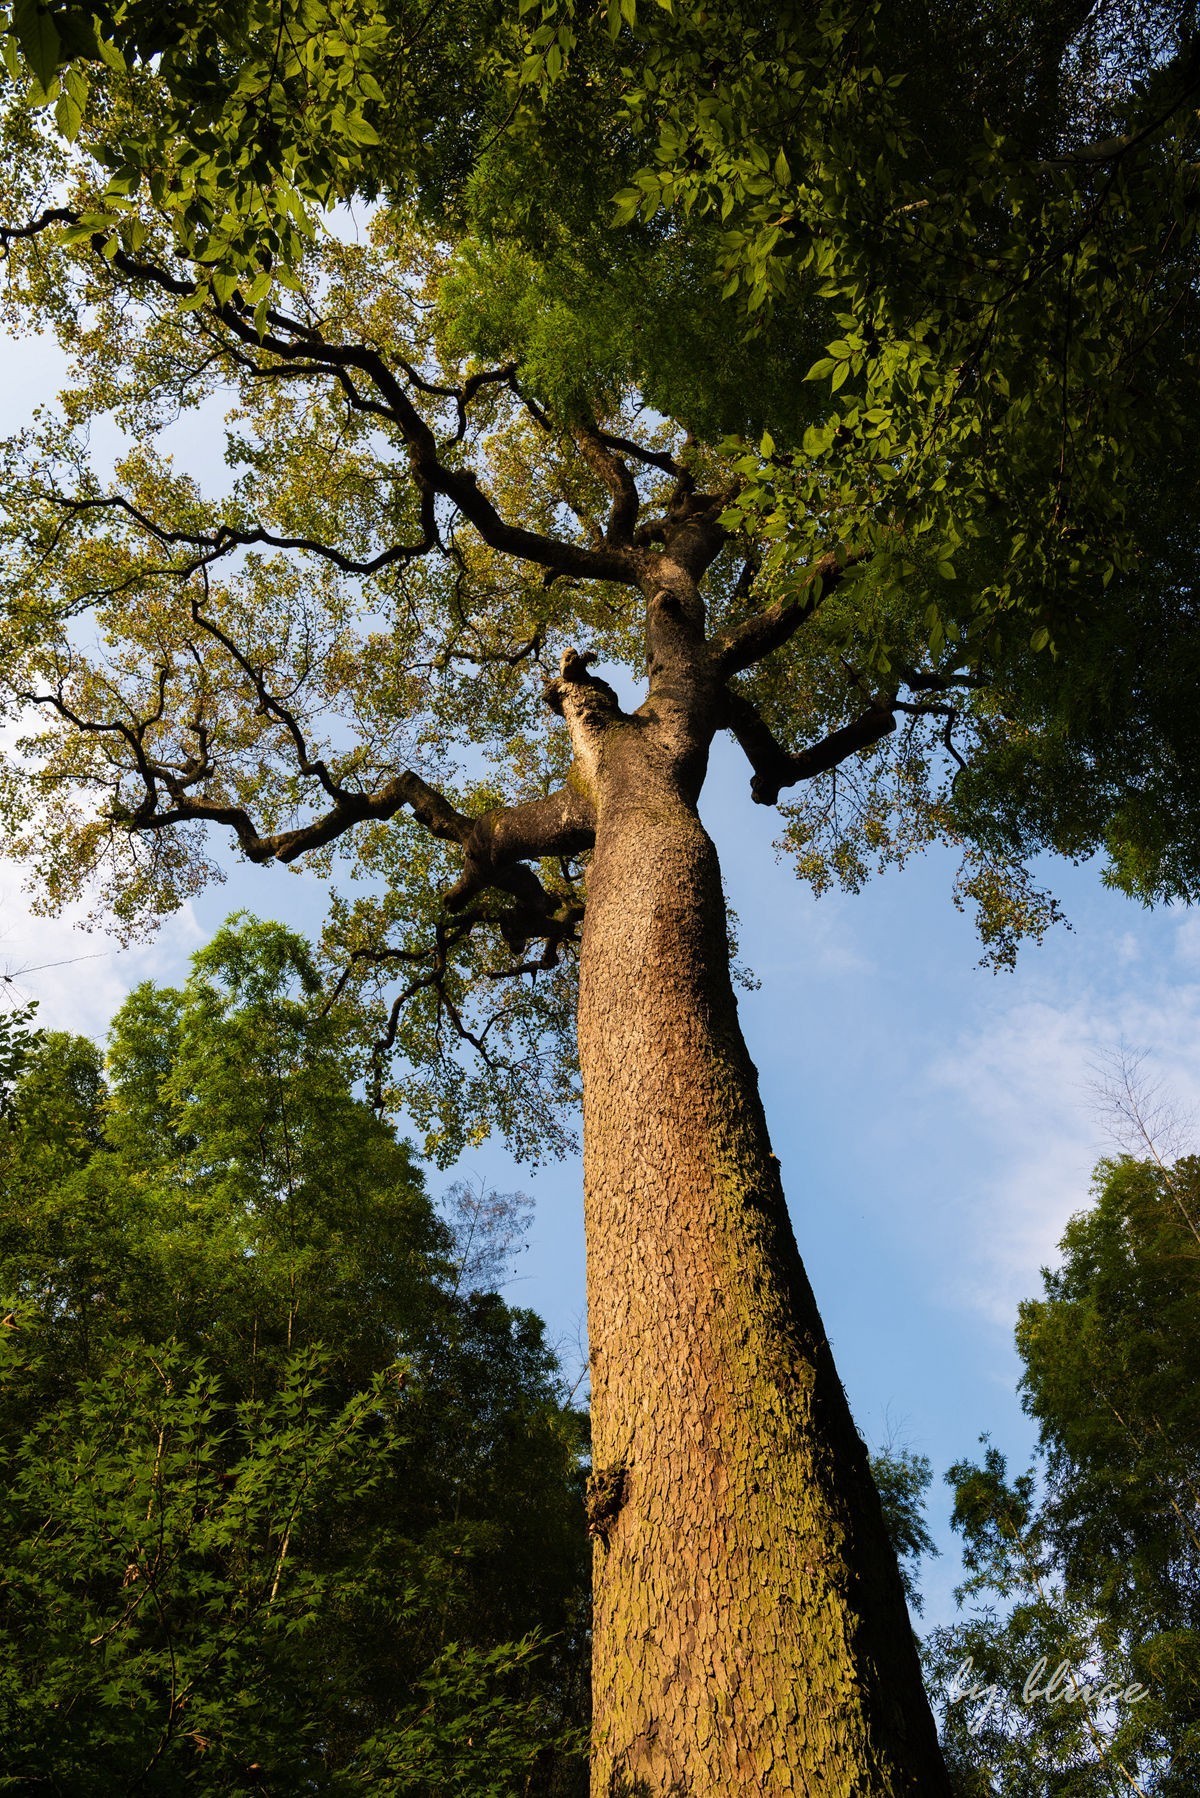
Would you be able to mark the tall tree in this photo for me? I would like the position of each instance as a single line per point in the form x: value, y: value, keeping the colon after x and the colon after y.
x: 287, y: 1504
x: 497, y: 441
x: 1079, y: 1670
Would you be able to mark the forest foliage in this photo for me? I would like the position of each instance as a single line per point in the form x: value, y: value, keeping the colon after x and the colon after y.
x: 292, y: 1500
x: 1090, y: 1560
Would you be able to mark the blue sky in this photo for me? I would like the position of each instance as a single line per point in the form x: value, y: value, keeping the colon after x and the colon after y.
x: 936, y: 1123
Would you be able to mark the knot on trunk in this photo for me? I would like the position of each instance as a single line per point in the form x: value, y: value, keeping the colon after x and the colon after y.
x: 606, y: 1493
x: 576, y: 683
x: 764, y: 790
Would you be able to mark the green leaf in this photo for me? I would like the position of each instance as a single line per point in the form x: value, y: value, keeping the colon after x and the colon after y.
x: 126, y: 181
x: 68, y: 117
x: 111, y: 55
x: 38, y: 37
x: 358, y: 130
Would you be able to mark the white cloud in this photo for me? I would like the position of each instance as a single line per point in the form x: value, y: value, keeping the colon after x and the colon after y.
x: 1187, y: 940
x: 1025, y: 1083
x: 79, y: 976
x: 829, y: 943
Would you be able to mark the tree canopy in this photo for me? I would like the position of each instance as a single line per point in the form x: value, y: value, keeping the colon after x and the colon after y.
x: 1091, y: 1558
x: 921, y: 385
x: 290, y: 1500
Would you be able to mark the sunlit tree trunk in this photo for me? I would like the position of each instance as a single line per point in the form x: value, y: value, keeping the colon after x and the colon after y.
x: 751, y: 1632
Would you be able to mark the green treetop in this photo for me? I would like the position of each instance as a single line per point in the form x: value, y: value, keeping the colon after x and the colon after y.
x: 288, y: 1502
x: 925, y: 381
x: 1095, y: 1564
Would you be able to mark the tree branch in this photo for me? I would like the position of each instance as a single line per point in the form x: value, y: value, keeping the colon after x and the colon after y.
x: 951, y: 715
x: 1112, y: 149
x: 294, y: 343
x: 428, y: 806
x: 211, y: 545
x: 304, y: 350
x: 624, y: 446
x: 612, y: 472
x: 776, y: 767
x: 54, y: 215
x: 739, y: 646
x: 498, y: 844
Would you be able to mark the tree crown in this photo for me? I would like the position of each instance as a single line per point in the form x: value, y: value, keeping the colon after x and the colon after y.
x: 494, y: 437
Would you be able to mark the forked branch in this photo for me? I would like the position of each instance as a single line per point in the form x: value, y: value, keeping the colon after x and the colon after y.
x: 740, y: 646
x: 292, y: 343
x: 776, y: 767
x: 210, y: 546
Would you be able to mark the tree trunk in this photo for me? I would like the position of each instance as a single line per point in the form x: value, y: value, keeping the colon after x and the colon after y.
x: 751, y: 1632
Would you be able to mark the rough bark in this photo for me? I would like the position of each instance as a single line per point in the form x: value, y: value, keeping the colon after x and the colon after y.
x: 751, y: 1633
